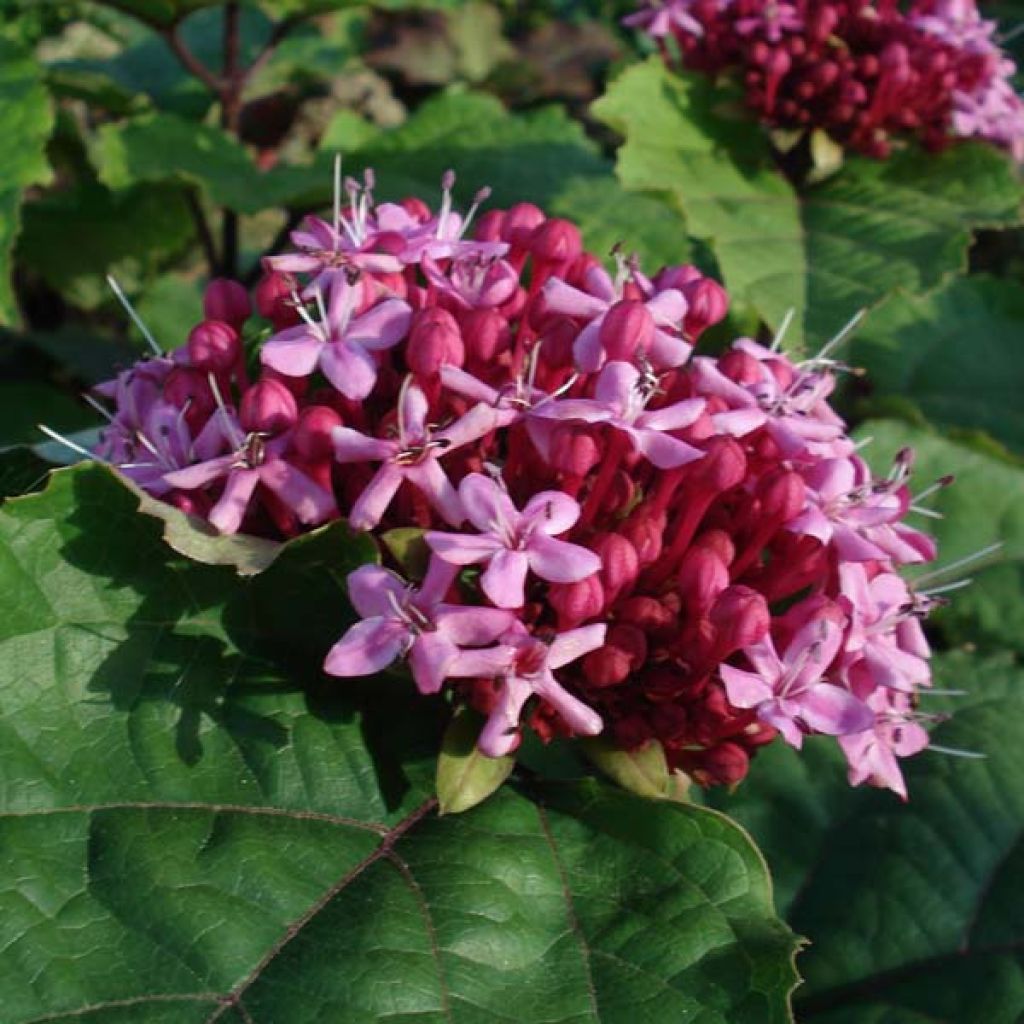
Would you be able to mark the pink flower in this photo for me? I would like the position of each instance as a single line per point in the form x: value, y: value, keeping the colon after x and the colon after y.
x: 879, y: 610
x: 473, y: 280
x: 620, y: 399
x: 659, y: 19
x: 511, y: 542
x: 399, y: 621
x: 858, y: 515
x: 253, y: 460
x: 525, y: 667
x: 341, y: 345
x: 789, y: 693
x: 667, y: 308
x: 413, y: 457
x: 873, y: 753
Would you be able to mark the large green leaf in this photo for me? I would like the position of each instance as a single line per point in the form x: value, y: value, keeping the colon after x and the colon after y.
x: 984, y: 506
x: 956, y: 353
x: 840, y: 245
x: 197, y: 826
x: 26, y: 119
x: 915, y: 911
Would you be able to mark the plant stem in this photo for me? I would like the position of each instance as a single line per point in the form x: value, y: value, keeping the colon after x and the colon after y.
x: 203, y: 229
x: 230, y: 113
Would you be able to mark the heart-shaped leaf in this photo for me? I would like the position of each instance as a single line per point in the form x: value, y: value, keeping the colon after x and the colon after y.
x: 197, y: 826
x: 915, y: 911
x: 828, y: 251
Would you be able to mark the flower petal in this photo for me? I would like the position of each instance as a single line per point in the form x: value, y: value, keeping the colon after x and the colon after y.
x: 834, y: 711
x: 368, y: 647
x: 200, y: 475
x: 308, y: 500
x: 352, y: 446
x: 551, y: 512
x: 472, y: 625
x: 371, y: 505
x: 374, y: 591
x: 504, y: 579
x: 228, y: 513
x: 432, y: 482
x: 500, y: 735
x: 430, y: 657
x: 349, y: 368
x: 583, y: 720
x: 661, y: 450
x: 558, y: 561
x: 673, y: 417
x: 381, y: 327
x: 487, y: 504
x: 294, y: 352
x: 462, y: 548
x: 744, y: 689
x: 574, y: 643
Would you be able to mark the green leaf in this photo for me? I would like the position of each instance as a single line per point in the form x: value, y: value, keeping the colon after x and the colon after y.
x: 407, y: 547
x: 74, y: 238
x: 644, y: 771
x: 609, y: 216
x: 197, y: 826
x: 915, y: 911
x: 984, y: 506
x: 955, y: 353
x: 841, y: 245
x: 718, y: 173
x: 26, y: 119
x: 465, y: 776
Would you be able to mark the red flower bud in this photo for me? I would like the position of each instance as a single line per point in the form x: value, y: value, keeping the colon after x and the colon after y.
x: 648, y: 614
x: 416, y: 208
x: 274, y: 299
x: 620, y: 564
x: 312, y: 437
x: 226, y: 300
x: 434, y: 341
x: 556, y: 241
x: 624, y: 651
x: 489, y: 226
x: 741, y: 617
x: 520, y: 222
x: 702, y: 578
x: 727, y: 763
x: 782, y: 494
x: 646, y: 532
x: 268, y: 407
x: 627, y: 328
x: 485, y: 334
x: 214, y: 346
x: 708, y: 304
x: 575, y: 603
x: 574, y: 449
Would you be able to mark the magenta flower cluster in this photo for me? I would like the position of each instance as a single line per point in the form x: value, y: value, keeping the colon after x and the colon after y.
x: 864, y: 71
x: 622, y: 536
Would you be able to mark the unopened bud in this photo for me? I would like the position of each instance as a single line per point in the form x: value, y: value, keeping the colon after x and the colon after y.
x: 268, y: 407
x: 627, y: 328
x: 485, y: 334
x: 624, y: 651
x: 620, y: 564
x: 519, y: 224
x: 708, y: 303
x: 226, y: 300
x: 726, y: 763
x: 741, y: 617
x: 312, y: 437
x: 646, y: 532
x: 489, y: 226
x: 416, y: 208
x: 702, y: 578
x: 556, y: 241
x: 782, y: 494
x: 434, y: 341
x: 724, y: 465
x: 575, y: 603
x: 648, y: 614
x: 574, y: 449
x: 274, y: 299
x: 214, y: 346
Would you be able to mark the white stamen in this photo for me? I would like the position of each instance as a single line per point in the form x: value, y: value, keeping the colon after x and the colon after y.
x: 68, y: 443
x: 237, y: 438
x: 929, y: 513
x: 136, y: 319
x: 337, y: 194
x: 942, y: 693
x: 783, y: 327
x: 99, y: 407
x: 863, y: 444
x: 959, y: 563
x: 972, y: 755
x: 945, y: 589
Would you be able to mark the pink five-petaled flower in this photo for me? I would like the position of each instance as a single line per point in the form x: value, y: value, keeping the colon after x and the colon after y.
x: 413, y: 456
x: 658, y: 18
x: 340, y: 344
x: 620, y: 399
x: 525, y: 667
x: 667, y: 308
x: 873, y: 754
x: 400, y: 620
x: 512, y: 542
x: 254, y: 459
x: 788, y: 693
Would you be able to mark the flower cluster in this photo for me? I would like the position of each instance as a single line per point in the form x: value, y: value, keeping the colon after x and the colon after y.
x: 622, y: 536
x: 863, y: 71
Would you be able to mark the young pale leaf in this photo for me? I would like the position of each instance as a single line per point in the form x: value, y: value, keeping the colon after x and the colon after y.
x: 465, y: 776
x: 198, y: 826
x: 837, y: 247
x: 915, y: 912
x: 407, y: 547
x: 644, y: 771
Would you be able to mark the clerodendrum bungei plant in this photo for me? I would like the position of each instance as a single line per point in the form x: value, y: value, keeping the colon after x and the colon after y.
x: 624, y: 537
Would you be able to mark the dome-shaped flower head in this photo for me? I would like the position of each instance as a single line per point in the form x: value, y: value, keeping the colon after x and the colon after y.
x: 511, y: 542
